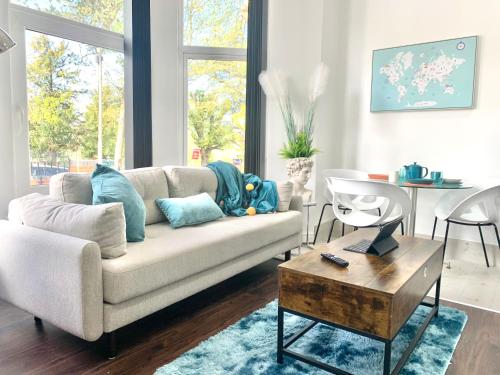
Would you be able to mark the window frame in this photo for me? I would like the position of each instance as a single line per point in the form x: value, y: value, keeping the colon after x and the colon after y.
x: 21, y: 19
x: 198, y: 53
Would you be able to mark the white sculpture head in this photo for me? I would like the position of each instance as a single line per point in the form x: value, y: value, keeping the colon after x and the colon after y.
x: 299, y: 170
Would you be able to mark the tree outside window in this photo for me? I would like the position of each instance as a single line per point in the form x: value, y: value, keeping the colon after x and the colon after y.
x: 216, y: 86
x: 75, y: 93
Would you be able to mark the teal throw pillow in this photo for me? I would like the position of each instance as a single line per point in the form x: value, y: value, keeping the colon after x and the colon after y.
x: 191, y: 210
x: 108, y: 186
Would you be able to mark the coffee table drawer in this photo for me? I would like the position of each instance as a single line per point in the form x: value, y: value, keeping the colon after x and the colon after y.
x: 410, y: 294
x: 345, y: 305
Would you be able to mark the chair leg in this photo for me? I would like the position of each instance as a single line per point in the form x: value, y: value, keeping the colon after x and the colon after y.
x: 434, y: 227
x: 446, y: 242
x: 484, y: 246
x: 402, y: 228
x: 343, y: 224
x: 319, y: 222
x: 331, y: 230
x: 498, y: 237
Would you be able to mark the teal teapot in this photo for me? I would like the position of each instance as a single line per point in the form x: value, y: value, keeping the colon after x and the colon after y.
x: 415, y: 171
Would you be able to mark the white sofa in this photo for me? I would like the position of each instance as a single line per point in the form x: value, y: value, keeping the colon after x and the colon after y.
x: 63, y: 280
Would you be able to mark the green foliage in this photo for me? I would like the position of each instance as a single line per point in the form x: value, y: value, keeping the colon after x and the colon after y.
x: 55, y: 87
x: 216, y: 88
x: 299, y: 139
x: 111, y: 102
x: 299, y: 147
x: 52, y: 114
x: 107, y: 14
x: 206, y: 123
x: 215, y: 23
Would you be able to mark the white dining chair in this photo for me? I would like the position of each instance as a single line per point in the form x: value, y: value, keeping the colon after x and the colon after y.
x: 364, y: 203
x: 479, y: 209
x: 397, y: 204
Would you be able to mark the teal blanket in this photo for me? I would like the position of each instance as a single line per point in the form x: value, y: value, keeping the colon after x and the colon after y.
x: 232, y: 195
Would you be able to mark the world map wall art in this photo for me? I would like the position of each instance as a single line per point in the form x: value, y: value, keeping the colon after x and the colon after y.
x: 435, y: 75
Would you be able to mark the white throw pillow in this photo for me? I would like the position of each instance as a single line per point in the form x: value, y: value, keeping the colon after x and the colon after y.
x: 104, y: 224
x: 285, y: 190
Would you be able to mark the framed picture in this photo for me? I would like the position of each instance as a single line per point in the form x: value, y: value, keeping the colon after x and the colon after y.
x: 434, y: 75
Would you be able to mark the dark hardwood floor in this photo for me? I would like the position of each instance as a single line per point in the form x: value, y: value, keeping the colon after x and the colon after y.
x: 154, y: 341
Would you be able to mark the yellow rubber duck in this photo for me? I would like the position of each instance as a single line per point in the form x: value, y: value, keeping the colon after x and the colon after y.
x: 251, y: 211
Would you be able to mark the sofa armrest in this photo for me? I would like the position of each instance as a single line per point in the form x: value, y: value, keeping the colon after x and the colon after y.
x: 56, y: 277
x: 296, y: 203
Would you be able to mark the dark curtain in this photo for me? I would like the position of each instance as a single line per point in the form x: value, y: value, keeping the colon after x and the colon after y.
x: 255, y: 99
x: 141, y: 83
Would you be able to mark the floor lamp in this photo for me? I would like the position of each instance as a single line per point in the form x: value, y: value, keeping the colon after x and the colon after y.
x: 6, y: 41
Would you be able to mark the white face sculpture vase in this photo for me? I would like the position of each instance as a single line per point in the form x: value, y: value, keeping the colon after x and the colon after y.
x: 299, y: 170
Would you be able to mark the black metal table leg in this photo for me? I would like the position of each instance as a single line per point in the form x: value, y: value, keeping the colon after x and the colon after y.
x: 284, y: 347
x: 437, y: 295
x: 387, y: 357
x: 280, y: 336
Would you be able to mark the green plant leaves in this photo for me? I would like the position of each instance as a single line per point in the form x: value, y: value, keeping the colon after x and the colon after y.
x: 299, y: 147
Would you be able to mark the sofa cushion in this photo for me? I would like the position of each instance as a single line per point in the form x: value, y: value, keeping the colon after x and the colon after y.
x: 104, y: 224
x: 109, y: 185
x: 150, y: 183
x: 186, y: 181
x: 71, y: 187
x: 192, y: 210
x: 168, y: 255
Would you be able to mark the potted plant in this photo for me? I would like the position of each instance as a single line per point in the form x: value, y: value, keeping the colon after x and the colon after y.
x: 298, y: 149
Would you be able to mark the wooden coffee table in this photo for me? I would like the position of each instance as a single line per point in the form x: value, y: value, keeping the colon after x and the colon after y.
x: 373, y: 297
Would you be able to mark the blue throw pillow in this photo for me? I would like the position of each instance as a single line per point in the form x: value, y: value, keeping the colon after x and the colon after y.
x: 109, y: 185
x: 192, y: 210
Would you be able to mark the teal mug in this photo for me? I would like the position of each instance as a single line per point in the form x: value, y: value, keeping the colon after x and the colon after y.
x: 437, y: 177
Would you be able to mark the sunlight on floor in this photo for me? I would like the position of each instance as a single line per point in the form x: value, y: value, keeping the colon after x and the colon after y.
x: 468, y: 280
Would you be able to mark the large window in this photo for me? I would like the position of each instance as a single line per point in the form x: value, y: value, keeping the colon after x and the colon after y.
x: 214, y: 54
x: 69, y: 75
x: 104, y: 14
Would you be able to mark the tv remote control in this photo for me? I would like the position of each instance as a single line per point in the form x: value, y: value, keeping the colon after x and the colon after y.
x: 338, y: 261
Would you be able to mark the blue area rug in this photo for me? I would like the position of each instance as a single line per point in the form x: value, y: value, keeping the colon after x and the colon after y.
x: 248, y: 347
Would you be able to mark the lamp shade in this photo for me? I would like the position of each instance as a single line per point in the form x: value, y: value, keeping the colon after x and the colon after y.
x: 6, y: 41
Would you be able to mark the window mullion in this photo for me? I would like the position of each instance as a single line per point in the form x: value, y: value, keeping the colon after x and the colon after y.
x: 68, y: 29
x: 236, y: 53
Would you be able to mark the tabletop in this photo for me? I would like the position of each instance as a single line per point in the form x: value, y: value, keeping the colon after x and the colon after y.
x: 385, y: 274
x: 434, y: 186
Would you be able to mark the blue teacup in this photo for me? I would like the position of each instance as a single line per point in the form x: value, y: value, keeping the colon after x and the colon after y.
x: 437, y: 177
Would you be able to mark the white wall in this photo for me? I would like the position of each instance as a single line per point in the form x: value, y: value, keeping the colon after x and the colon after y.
x: 462, y: 143
x: 301, y: 35
x: 6, y: 156
x: 294, y: 46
